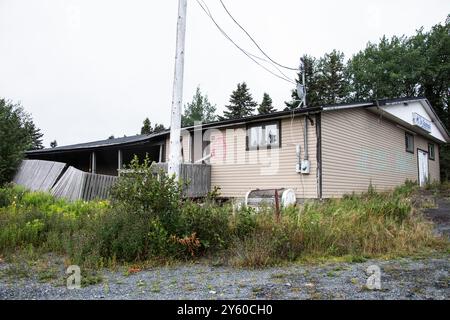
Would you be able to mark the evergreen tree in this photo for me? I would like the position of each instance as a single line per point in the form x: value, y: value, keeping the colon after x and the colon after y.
x: 147, y: 127
x: 241, y: 103
x: 332, y: 79
x: 53, y: 144
x: 266, y: 105
x: 158, y: 128
x: 312, y: 87
x: 200, y: 109
x: 34, y: 134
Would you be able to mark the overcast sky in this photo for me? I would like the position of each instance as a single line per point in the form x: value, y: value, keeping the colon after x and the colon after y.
x: 89, y: 69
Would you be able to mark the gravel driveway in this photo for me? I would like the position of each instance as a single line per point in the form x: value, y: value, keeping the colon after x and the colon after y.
x: 400, y: 279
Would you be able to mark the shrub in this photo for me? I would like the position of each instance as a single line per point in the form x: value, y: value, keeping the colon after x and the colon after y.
x: 141, y: 226
x: 209, y: 222
x: 148, y: 192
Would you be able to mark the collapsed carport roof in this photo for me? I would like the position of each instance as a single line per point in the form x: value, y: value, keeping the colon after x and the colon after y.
x: 102, y: 144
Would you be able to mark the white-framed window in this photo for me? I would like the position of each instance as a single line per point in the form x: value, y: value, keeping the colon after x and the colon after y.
x: 263, y: 135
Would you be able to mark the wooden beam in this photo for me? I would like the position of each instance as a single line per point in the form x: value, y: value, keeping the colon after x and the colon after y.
x: 93, y: 162
x: 119, y: 159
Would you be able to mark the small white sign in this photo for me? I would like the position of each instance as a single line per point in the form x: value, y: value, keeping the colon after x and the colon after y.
x: 421, y: 122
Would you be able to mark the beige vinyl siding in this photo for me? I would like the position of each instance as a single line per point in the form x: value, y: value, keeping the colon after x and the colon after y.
x: 236, y: 170
x: 359, y: 148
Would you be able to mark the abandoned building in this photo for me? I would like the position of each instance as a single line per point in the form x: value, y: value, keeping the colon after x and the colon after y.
x: 318, y: 152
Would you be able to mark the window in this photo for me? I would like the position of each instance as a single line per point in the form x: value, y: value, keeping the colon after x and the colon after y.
x: 431, y: 151
x: 263, y: 136
x: 409, y: 142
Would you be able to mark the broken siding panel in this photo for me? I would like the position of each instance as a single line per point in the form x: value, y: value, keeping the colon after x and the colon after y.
x: 359, y: 148
x: 236, y: 170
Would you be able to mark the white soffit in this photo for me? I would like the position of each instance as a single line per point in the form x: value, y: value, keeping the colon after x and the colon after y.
x: 405, y: 111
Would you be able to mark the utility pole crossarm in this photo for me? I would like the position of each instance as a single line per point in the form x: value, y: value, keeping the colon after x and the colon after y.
x: 177, y: 96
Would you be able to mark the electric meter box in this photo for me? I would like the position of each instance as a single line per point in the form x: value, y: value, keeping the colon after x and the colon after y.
x: 305, y: 167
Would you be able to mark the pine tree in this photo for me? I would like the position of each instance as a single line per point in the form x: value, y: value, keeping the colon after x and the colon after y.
x: 332, y: 78
x: 200, y: 109
x: 266, y: 105
x: 147, y: 127
x: 326, y: 81
x: 53, y: 144
x: 158, y: 128
x: 241, y: 103
x: 312, y: 88
x: 34, y: 134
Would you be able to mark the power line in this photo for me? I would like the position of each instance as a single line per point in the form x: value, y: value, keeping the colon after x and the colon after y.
x: 253, y: 40
x: 249, y: 55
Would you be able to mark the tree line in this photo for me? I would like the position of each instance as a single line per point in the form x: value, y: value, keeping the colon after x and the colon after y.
x: 398, y: 67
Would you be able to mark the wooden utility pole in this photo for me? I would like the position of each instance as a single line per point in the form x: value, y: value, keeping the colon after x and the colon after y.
x: 177, y: 96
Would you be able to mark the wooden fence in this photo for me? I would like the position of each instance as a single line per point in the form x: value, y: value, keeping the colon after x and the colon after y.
x: 38, y: 175
x: 197, y: 177
x: 76, y: 184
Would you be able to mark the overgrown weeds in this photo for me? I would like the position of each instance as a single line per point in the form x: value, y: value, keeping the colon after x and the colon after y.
x: 147, y: 220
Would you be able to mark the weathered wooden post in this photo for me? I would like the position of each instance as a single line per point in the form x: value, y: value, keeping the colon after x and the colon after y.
x: 277, y: 206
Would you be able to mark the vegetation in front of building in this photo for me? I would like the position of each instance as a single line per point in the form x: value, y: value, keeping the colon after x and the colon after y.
x: 147, y: 220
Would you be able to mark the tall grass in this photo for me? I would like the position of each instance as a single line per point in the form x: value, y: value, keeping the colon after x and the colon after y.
x: 367, y: 225
x: 99, y: 232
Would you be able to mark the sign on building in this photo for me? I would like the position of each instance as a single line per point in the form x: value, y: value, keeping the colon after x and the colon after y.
x: 421, y: 122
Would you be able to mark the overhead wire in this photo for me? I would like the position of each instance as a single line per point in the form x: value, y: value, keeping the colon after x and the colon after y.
x: 253, y: 57
x: 253, y: 40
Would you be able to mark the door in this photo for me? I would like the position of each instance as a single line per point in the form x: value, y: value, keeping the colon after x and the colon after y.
x: 422, y: 158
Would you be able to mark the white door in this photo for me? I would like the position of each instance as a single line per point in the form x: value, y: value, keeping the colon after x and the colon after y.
x: 422, y: 157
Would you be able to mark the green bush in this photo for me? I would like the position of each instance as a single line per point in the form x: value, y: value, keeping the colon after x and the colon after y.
x: 147, y: 192
x: 138, y: 226
x: 11, y: 193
